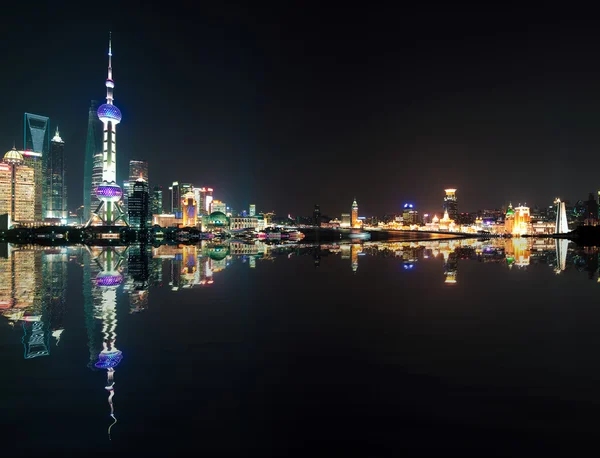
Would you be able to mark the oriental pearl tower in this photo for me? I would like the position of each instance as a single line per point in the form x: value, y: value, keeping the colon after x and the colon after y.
x: 109, y: 212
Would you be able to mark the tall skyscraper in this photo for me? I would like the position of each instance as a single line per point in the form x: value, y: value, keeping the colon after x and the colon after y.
x: 126, y: 192
x: 451, y: 204
x: 354, y: 220
x: 175, y: 196
x: 92, y: 167
x: 36, y: 138
x: 204, y: 197
x: 17, y: 188
x: 317, y: 216
x: 109, y: 192
x: 156, y: 200
x: 56, y: 186
x: 138, y: 169
x: 139, y: 206
x: 252, y: 210
x: 190, y: 210
x: 178, y: 190
x: 562, y: 227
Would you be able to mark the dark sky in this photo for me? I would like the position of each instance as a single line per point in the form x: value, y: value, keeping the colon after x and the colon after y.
x: 293, y: 105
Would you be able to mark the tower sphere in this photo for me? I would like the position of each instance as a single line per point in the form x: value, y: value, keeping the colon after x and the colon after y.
x: 110, y: 113
x: 110, y: 192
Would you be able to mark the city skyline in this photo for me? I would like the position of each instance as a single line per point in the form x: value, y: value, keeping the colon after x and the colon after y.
x: 484, y: 103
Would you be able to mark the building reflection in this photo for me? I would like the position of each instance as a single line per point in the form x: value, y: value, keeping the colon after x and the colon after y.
x: 33, y: 282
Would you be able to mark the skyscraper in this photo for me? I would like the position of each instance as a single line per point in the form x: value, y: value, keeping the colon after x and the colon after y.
x: 317, y: 216
x: 156, y: 200
x: 562, y: 226
x: 92, y: 168
x: 109, y: 192
x: 138, y: 169
x: 204, y: 198
x: 17, y: 188
x: 139, y: 205
x: 178, y: 190
x: 36, y: 138
x: 190, y: 210
x: 354, y: 220
x: 451, y: 204
x: 56, y: 186
x: 252, y: 210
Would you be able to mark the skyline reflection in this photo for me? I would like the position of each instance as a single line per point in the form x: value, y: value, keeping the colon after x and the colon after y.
x: 119, y: 284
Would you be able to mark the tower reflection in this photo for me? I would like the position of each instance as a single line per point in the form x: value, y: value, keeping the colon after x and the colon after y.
x: 104, y: 287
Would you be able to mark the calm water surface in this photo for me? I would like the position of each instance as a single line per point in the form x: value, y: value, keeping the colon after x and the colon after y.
x: 466, y: 347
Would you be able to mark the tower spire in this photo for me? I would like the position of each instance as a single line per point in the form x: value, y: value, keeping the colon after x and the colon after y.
x: 110, y: 84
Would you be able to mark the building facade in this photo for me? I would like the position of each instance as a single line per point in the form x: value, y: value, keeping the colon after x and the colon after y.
x: 156, y: 200
x: 34, y: 160
x: 139, y: 206
x: 36, y: 139
x: 244, y: 222
x: 138, y: 169
x: 17, y: 188
x: 218, y: 206
x: 354, y: 218
x: 451, y: 204
x: 56, y: 186
x: 189, y: 209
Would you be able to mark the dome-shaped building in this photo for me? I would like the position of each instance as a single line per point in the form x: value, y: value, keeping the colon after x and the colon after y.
x: 13, y: 157
x: 218, y: 219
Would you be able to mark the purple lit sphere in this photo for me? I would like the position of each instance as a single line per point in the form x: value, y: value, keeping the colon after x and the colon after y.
x: 108, y: 360
x: 109, y: 279
x: 108, y: 112
x: 109, y: 191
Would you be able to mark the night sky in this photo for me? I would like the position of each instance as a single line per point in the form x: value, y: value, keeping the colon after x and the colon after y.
x: 290, y: 106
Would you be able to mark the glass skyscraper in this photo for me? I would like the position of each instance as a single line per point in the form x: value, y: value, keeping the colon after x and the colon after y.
x: 138, y: 169
x: 36, y: 141
x: 139, y: 205
x: 56, y: 186
x: 92, y: 172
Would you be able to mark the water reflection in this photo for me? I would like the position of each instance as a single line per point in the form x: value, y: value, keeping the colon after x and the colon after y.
x: 33, y: 280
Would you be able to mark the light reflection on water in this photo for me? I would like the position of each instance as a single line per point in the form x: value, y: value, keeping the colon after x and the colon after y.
x: 34, y: 283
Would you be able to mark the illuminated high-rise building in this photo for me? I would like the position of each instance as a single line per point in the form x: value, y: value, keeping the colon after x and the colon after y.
x: 138, y: 169
x: 109, y: 192
x: 139, y: 206
x: 177, y: 191
x: 36, y: 142
x: 189, y: 209
x: 56, y: 186
x: 92, y: 167
x: 562, y: 227
x: 218, y: 206
x: 354, y: 218
x: 509, y: 219
x: 410, y: 214
x: 126, y: 192
x: 451, y: 204
x: 156, y: 200
x: 34, y: 160
x: 204, y: 198
x: 17, y: 188
x: 252, y: 210
x: 522, y: 221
